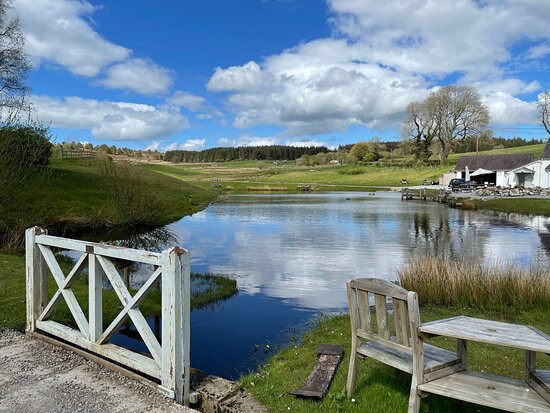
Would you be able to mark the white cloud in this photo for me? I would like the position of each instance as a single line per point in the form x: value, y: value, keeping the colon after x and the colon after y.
x: 248, y: 141
x: 245, y: 77
x: 110, y: 120
x: 57, y: 31
x: 383, y: 56
x: 139, y: 75
x: 187, y: 100
x: 305, y: 143
x: 188, y: 145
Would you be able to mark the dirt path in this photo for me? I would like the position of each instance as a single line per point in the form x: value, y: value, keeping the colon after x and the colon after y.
x: 39, y: 377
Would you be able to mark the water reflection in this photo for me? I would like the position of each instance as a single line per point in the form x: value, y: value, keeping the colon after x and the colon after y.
x: 293, y: 254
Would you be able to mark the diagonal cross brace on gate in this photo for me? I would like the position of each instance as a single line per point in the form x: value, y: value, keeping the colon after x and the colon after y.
x: 169, y: 361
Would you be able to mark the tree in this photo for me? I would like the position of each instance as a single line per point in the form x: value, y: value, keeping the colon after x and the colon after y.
x: 419, y: 126
x: 458, y: 113
x: 14, y: 65
x: 544, y: 110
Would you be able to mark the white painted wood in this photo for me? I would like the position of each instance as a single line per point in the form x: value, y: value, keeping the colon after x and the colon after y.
x: 134, y: 302
x: 169, y: 362
x: 176, y: 307
x: 95, y: 298
x: 123, y: 356
x: 100, y: 249
x: 135, y: 315
x: 68, y: 295
x: 33, y: 274
x: 355, y: 318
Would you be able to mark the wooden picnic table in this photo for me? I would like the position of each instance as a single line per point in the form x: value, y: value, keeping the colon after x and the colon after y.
x: 529, y: 395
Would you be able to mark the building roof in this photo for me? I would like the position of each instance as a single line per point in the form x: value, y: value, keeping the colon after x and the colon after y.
x: 546, y: 153
x: 494, y: 162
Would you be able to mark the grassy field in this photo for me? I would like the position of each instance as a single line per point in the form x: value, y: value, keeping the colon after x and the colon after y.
x: 208, y: 289
x: 378, y: 388
x: 534, y: 149
x: 238, y: 176
x: 537, y: 206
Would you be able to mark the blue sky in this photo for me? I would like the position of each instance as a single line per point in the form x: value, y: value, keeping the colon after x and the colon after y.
x: 192, y: 75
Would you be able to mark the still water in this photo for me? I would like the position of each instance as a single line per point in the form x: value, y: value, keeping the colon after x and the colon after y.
x: 292, y: 254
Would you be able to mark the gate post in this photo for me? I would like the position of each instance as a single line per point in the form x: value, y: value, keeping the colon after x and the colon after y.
x: 36, y: 281
x: 176, y: 309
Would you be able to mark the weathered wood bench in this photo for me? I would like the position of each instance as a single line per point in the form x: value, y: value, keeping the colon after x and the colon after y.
x: 378, y: 343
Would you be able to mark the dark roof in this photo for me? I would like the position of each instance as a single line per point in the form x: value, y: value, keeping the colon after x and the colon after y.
x: 494, y: 162
x: 546, y: 153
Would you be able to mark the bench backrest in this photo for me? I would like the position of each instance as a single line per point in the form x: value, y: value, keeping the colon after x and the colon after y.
x: 404, y: 305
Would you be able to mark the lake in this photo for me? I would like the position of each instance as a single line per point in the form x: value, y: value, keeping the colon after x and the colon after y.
x: 292, y: 254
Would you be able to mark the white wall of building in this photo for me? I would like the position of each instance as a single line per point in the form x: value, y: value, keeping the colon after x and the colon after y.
x: 539, y: 178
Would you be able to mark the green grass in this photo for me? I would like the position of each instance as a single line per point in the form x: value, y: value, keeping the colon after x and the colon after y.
x: 74, y: 198
x: 209, y: 290
x: 238, y: 176
x: 536, y: 206
x: 536, y: 150
x: 378, y: 389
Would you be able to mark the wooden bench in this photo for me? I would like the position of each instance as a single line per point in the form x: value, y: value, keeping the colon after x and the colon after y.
x: 378, y: 343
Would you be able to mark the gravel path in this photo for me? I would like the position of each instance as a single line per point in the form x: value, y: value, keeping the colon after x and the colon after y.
x: 38, y: 377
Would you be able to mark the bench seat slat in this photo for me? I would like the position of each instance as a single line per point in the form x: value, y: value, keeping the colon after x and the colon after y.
x: 435, y: 358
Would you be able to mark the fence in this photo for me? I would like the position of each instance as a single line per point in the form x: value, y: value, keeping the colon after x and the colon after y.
x: 169, y: 361
x: 70, y: 153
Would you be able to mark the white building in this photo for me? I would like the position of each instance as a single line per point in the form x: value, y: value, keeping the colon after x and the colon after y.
x: 507, y: 170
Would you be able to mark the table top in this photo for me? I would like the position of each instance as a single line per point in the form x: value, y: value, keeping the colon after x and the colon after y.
x: 491, y: 332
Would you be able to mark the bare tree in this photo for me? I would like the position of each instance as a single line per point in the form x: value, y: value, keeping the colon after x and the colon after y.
x: 458, y: 113
x: 419, y: 126
x: 14, y: 65
x: 544, y: 110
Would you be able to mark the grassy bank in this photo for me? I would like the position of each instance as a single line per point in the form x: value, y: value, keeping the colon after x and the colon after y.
x: 207, y: 289
x: 459, y: 290
x: 534, y: 206
x: 82, y: 194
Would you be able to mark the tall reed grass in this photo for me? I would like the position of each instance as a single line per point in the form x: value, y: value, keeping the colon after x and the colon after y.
x: 443, y: 281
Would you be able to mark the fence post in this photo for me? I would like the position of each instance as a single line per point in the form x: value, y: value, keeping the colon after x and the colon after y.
x: 95, y: 291
x: 35, y: 278
x: 176, y: 309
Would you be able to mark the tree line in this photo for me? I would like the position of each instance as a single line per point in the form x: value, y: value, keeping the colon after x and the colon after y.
x: 224, y: 154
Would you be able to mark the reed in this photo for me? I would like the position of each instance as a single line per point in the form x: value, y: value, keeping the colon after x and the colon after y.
x: 447, y: 282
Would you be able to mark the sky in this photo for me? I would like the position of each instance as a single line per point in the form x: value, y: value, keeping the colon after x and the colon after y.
x: 197, y: 74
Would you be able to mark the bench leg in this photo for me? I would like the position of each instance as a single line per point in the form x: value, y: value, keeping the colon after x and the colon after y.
x: 352, y: 372
x: 414, y: 398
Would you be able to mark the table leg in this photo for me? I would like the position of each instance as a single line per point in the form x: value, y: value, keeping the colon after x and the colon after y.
x: 462, y: 351
x: 530, y: 364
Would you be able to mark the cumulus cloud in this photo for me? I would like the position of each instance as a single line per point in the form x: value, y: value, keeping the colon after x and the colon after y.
x: 110, y: 120
x: 188, y: 145
x: 249, y: 141
x: 305, y: 143
x: 139, y: 75
x: 383, y: 56
x: 187, y: 100
x: 57, y: 31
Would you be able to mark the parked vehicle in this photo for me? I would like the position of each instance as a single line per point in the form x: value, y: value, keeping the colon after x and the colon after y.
x: 457, y: 184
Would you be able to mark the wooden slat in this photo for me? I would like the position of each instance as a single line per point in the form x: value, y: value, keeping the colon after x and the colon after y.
x: 68, y: 295
x: 382, y: 315
x: 95, y: 294
x: 539, y: 380
x: 418, y: 351
x: 379, y: 286
x: 490, y: 332
x: 380, y: 340
x: 100, y: 249
x: 364, y: 310
x: 492, y: 391
x: 121, y: 355
x: 34, y: 277
x: 435, y: 358
x: 401, y: 321
x: 135, y: 301
x: 126, y: 298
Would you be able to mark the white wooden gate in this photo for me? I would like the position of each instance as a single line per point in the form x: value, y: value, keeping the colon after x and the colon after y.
x: 169, y: 361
